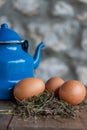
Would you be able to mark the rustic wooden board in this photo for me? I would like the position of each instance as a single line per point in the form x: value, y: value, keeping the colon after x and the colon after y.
x: 46, y: 124
x: 83, y: 117
x: 4, y: 121
x: 5, y: 117
x: 8, y: 122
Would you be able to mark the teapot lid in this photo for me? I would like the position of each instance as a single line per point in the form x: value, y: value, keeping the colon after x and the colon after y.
x: 9, y: 36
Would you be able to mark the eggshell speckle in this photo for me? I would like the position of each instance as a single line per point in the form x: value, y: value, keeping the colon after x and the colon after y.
x: 53, y: 84
x: 28, y: 88
x: 72, y: 92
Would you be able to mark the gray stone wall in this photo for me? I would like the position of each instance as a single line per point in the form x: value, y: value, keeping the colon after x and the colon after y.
x: 61, y: 24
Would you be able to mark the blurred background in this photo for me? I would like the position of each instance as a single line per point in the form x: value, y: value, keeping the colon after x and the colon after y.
x: 61, y: 24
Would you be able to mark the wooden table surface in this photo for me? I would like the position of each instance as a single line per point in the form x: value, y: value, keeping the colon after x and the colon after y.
x: 10, y: 122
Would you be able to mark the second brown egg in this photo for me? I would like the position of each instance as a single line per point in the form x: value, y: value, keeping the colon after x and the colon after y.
x: 53, y: 84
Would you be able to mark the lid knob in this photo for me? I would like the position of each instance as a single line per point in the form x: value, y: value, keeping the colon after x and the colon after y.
x: 4, y: 25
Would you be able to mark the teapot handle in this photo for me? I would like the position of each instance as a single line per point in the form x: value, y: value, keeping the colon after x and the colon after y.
x: 25, y: 45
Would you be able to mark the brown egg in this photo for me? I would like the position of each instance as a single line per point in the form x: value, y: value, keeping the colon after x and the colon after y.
x: 72, y: 92
x: 53, y: 84
x: 28, y: 88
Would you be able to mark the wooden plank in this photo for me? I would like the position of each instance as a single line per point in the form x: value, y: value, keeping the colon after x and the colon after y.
x: 4, y: 121
x: 46, y: 124
x: 16, y: 123
x: 83, y: 117
x: 5, y: 116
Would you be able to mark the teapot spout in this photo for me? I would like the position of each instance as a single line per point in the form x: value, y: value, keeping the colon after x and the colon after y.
x: 37, y: 55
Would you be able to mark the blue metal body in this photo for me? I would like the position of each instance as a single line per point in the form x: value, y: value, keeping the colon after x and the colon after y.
x: 15, y: 63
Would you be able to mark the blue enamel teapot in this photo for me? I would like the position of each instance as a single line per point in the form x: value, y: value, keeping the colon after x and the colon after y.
x: 15, y: 62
